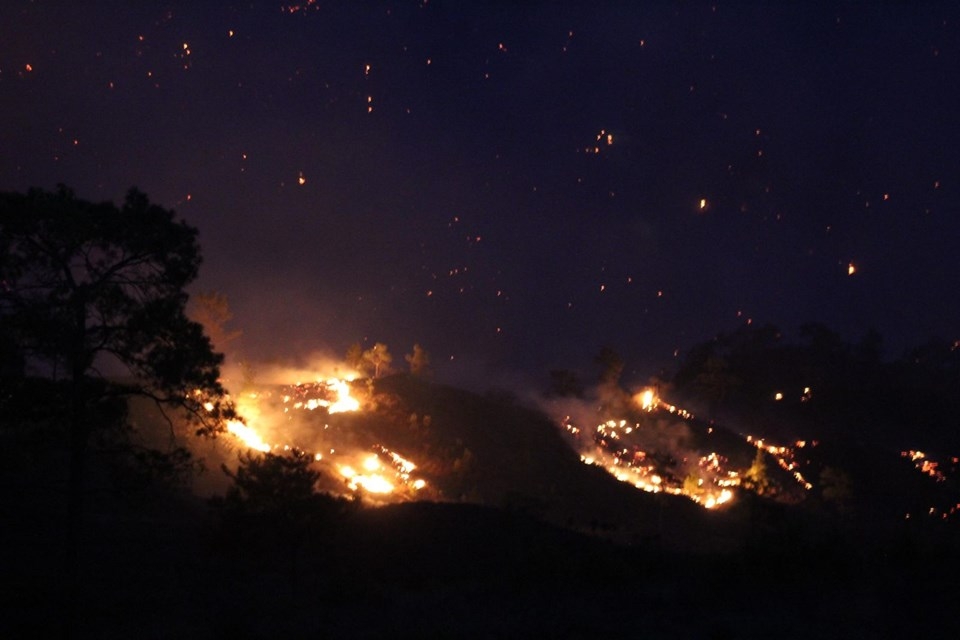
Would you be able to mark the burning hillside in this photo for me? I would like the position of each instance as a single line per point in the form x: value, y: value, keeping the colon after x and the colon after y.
x: 314, y: 418
x: 400, y: 439
x: 403, y: 439
x: 658, y: 447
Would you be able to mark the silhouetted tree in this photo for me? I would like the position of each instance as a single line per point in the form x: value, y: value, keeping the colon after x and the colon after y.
x: 756, y: 478
x: 564, y: 384
x: 212, y: 310
x: 274, y: 501
x: 613, y: 398
x: 273, y: 486
x: 248, y: 374
x: 935, y: 363
x: 354, y: 356
x: 693, y: 363
x: 611, y: 366
x: 836, y: 488
x: 12, y: 361
x: 377, y: 360
x: 85, y: 285
x: 827, y: 353
x: 692, y: 485
x: 716, y: 381
x: 870, y: 348
x: 418, y: 361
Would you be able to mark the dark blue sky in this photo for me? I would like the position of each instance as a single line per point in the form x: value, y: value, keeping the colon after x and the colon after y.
x: 460, y: 191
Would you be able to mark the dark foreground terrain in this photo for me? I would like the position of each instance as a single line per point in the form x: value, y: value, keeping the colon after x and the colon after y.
x: 524, y: 541
x: 455, y: 570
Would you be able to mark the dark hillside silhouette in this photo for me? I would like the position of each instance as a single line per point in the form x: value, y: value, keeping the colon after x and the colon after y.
x: 830, y: 387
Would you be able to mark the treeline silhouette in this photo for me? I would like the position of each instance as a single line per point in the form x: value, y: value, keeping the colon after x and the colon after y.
x: 829, y: 387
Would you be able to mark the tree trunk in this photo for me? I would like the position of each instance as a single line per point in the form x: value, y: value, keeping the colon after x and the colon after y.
x: 78, y: 437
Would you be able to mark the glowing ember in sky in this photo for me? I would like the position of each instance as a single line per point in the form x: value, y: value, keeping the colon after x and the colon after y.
x: 287, y: 86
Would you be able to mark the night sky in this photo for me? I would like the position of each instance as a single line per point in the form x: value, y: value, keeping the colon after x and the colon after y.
x: 514, y: 187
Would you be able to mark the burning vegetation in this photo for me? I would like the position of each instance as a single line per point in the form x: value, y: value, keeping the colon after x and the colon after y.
x: 368, y: 438
x: 312, y: 419
x: 654, y: 448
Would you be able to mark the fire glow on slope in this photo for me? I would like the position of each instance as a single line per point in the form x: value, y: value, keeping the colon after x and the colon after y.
x: 925, y: 465
x: 382, y: 472
x: 707, y: 479
x: 933, y: 469
x: 372, y: 477
x: 337, y: 398
x: 708, y: 484
x: 785, y: 458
